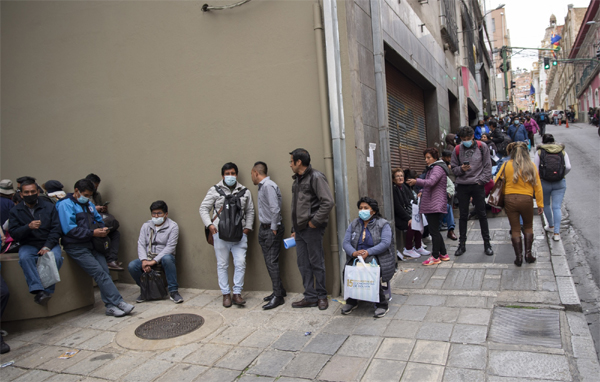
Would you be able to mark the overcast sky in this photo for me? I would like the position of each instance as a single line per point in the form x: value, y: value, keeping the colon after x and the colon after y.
x: 527, y: 21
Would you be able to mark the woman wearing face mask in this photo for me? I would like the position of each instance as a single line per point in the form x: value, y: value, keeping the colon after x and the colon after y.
x: 434, y: 202
x: 403, y: 199
x: 370, y: 237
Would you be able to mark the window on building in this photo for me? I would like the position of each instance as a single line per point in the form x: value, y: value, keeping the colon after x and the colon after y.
x: 493, y: 25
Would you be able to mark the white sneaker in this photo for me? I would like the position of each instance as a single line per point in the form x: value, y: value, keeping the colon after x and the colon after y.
x: 410, y: 253
x: 399, y: 254
x: 556, y: 237
x: 422, y: 251
x: 549, y: 229
x: 423, y: 245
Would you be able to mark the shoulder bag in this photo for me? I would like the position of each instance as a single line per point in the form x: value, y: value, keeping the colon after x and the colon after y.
x: 496, y: 198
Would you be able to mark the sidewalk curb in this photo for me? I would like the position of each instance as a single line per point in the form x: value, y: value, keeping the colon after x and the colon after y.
x: 578, y: 336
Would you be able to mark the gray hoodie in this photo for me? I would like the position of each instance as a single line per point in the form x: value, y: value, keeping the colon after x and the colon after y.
x: 481, y: 165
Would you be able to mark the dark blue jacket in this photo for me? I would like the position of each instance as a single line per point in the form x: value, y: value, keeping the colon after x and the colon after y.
x: 75, y: 224
x: 47, y: 235
x: 5, y: 206
x: 517, y: 134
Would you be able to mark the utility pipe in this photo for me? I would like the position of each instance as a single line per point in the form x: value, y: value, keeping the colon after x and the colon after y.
x: 336, y: 123
x: 333, y: 239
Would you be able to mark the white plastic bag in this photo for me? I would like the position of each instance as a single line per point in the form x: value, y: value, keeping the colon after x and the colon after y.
x: 361, y: 281
x: 47, y: 269
x: 417, y: 219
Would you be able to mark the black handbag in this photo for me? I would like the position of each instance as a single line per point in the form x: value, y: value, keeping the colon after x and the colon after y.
x: 152, y: 286
x: 100, y: 244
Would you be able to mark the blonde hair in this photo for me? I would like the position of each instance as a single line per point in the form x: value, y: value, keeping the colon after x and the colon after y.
x: 522, y: 164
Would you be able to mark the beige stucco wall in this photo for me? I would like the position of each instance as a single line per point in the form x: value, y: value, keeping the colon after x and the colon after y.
x: 155, y: 97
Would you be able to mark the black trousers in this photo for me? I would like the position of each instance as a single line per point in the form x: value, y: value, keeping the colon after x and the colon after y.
x: 3, y: 295
x: 271, y: 247
x: 542, y: 128
x: 464, y: 193
x: 113, y: 253
x: 433, y: 222
x: 311, y: 262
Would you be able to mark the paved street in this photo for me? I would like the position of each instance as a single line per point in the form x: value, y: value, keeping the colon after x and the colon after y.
x: 474, y: 318
x: 580, y: 221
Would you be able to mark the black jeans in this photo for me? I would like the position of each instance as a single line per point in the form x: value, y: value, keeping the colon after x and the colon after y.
x: 113, y: 253
x: 3, y: 295
x: 311, y: 262
x: 271, y: 247
x: 465, y: 192
x: 433, y: 222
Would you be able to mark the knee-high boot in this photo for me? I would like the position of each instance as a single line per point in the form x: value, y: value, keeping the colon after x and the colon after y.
x: 528, y: 244
x: 518, y: 247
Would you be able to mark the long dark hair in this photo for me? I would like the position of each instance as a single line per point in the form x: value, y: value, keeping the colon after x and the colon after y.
x: 372, y: 203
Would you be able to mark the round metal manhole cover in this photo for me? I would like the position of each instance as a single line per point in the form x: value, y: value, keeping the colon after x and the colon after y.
x: 173, y: 325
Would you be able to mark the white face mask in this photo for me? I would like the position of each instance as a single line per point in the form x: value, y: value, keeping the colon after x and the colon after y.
x: 158, y: 221
x: 230, y: 180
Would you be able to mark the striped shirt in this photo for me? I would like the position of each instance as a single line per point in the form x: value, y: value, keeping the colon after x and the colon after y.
x: 269, y: 203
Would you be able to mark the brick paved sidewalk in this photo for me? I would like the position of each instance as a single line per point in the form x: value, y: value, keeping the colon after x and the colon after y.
x: 474, y: 318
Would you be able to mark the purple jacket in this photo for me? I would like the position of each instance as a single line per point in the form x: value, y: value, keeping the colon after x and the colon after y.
x: 434, y: 198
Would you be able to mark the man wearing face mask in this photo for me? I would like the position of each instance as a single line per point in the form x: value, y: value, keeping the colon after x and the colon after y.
x: 517, y: 131
x: 34, y: 224
x: 156, y: 244
x: 214, y: 200
x: 77, y: 214
x: 473, y: 169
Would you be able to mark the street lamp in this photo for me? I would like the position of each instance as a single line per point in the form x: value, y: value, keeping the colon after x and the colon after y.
x: 495, y: 9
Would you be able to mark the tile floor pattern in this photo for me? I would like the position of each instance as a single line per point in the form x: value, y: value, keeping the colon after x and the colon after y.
x: 436, y: 329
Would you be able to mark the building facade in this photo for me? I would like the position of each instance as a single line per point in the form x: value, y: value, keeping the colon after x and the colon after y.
x: 500, y: 38
x: 156, y: 96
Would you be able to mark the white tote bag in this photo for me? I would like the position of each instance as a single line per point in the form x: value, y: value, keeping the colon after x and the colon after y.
x: 417, y: 219
x: 361, y: 281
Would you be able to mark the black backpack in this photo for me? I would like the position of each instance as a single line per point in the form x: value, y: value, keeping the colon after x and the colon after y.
x: 552, y: 166
x: 231, y: 215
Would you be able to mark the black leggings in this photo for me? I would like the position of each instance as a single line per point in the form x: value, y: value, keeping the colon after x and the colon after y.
x: 433, y: 222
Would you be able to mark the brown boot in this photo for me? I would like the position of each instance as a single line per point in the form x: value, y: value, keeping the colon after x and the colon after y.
x: 518, y: 247
x: 227, y: 300
x: 238, y: 300
x: 528, y: 244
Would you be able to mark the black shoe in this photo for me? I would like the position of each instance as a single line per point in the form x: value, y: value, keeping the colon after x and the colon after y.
x: 140, y: 299
x: 42, y: 298
x: 488, y: 249
x: 175, y: 297
x: 4, y: 348
x: 461, y: 249
x: 270, y: 297
x: 274, y: 303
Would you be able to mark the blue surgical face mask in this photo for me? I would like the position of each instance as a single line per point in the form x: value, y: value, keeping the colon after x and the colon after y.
x: 364, y: 214
x: 467, y: 144
x: 230, y: 180
x: 83, y: 200
x: 158, y: 221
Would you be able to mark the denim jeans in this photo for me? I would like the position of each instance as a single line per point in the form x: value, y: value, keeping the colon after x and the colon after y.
x: 448, y: 218
x: 168, y: 264
x: 554, y: 192
x: 94, y: 264
x: 28, y: 258
x: 238, y: 250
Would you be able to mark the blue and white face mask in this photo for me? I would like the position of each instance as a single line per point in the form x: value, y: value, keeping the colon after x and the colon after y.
x: 83, y: 200
x: 467, y: 144
x: 364, y: 215
x: 230, y: 180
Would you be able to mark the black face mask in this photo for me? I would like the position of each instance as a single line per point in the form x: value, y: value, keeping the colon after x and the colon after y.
x: 30, y: 199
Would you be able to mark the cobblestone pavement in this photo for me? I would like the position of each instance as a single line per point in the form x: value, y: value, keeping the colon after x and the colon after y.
x: 474, y: 318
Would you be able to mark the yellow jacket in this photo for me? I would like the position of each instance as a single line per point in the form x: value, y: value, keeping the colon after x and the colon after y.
x: 520, y: 187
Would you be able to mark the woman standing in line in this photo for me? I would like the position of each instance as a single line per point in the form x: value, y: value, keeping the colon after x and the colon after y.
x: 403, y: 199
x: 434, y: 202
x: 554, y: 184
x: 521, y: 182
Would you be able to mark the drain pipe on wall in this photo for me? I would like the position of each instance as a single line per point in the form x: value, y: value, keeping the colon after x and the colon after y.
x: 380, y: 91
x: 328, y: 156
x: 336, y: 125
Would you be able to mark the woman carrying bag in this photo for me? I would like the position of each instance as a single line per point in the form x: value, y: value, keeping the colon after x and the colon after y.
x: 370, y: 237
x: 403, y: 200
x: 521, y: 181
x: 434, y: 202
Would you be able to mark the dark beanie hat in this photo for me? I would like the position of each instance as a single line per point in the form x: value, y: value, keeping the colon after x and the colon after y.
x: 53, y: 186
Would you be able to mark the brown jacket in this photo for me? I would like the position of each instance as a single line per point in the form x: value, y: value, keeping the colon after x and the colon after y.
x: 311, y: 199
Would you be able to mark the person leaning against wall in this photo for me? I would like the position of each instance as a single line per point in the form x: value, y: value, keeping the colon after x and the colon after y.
x: 311, y: 203
x: 214, y: 200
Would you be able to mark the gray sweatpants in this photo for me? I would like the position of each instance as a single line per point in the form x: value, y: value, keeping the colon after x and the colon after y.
x: 311, y: 262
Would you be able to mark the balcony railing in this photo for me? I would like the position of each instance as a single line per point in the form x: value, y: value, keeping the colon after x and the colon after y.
x: 449, y: 29
x: 588, y: 71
